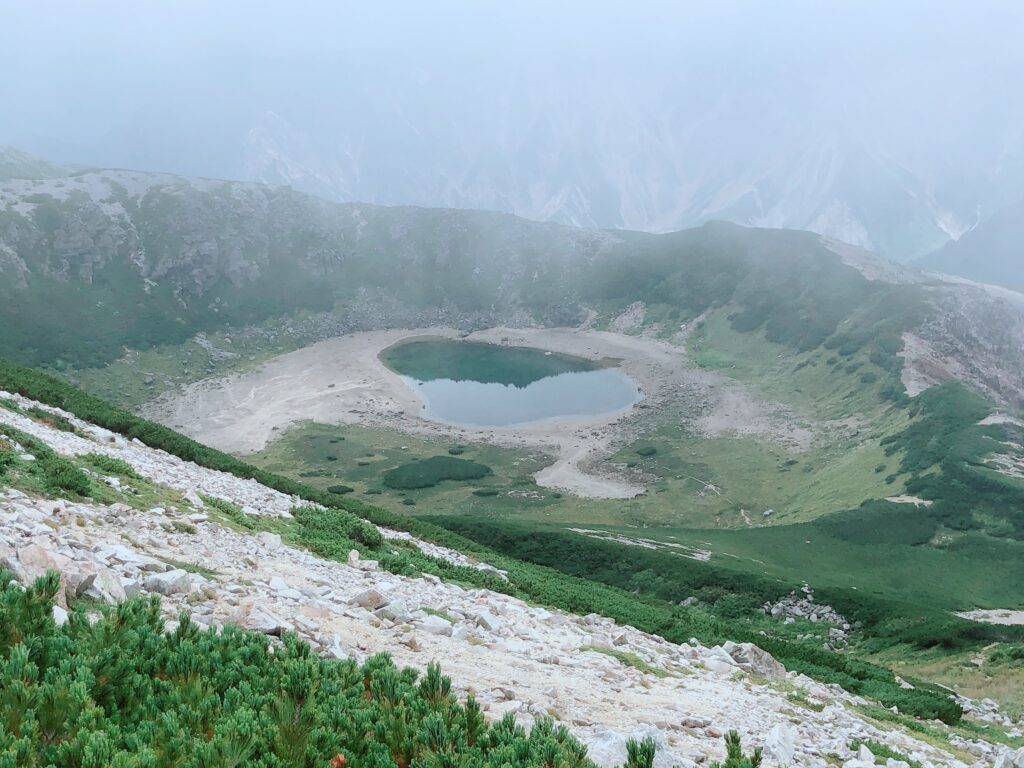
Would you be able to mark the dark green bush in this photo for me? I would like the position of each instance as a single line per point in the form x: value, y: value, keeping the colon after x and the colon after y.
x: 55, y: 473
x: 340, y: 489
x: 331, y: 532
x: 111, y: 465
x: 62, y: 475
x: 230, y: 510
x: 125, y: 693
x: 734, y: 757
x: 647, y: 450
x: 54, y: 420
x: 430, y: 472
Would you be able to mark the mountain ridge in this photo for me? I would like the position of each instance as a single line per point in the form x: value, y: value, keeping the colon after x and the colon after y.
x: 210, y: 254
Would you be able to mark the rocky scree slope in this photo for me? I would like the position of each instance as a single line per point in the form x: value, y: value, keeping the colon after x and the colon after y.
x: 607, y: 682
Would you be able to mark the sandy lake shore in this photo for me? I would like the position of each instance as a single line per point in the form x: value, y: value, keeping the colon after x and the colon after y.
x: 342, y: 381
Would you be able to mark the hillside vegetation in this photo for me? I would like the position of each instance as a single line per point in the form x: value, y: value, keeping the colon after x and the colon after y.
x: 139, y: 260
x: 123, y: 692
x: 576, y: 591
x: 174, y: 270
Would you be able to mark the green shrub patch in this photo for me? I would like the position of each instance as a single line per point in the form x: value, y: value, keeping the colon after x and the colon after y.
x: 430, y: 472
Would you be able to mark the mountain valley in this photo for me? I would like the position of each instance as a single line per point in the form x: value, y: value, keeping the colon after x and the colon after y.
x: 816, y: 420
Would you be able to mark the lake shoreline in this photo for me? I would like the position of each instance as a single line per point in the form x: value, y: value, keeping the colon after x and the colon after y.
x: 342, y: 380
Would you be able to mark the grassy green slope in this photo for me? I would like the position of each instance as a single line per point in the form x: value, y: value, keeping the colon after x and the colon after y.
x: 330, y: 533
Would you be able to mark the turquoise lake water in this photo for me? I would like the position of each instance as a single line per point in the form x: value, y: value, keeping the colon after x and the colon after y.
x: 488, y: 385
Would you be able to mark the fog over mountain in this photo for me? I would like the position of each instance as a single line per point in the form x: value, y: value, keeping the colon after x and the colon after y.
x: 896, y: 128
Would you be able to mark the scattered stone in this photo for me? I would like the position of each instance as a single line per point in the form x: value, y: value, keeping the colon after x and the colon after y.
x: 752, y: 659
x: 370, y: 599
x: 278, y: 584
x: 434, y: 625
x: 489, y: 621
x: 269, y: 540
x: 168, y: 583
x: 107, y: 587
x: 396, y: 611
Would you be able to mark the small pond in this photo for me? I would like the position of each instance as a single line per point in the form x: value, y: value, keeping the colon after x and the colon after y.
x: 491, y: 385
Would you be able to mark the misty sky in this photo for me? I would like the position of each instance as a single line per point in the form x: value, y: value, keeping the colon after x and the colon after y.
x: 643, y: 114
x: 76, y: 70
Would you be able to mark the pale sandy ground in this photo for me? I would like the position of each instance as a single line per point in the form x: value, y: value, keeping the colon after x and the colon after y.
x: 995, y: 616
x: 343, y: 381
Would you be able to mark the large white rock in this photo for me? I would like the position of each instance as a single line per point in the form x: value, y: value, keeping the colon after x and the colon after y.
x: 489, y: 621
x: 79, y: 577
x: 434, y: 625
x: 396, y: 610
x: 266, y: 622
x: 35, y: 561
x: 9, y: 561
x: 108, y: 587
x: 751, y: 658
x: 781, y: 743
x: 169, y: 583
x: 269, y: 540
x: 370, y: 599
x: 193, y: 498
x: 719, y: 667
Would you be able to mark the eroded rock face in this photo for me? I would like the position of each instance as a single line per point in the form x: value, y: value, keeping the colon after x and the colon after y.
x: 518, y: 658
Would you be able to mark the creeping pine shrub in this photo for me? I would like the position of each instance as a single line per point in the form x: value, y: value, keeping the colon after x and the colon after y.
x: 56, y: 473
x: 640, y: 754
x: 331, y: 532
x: 230, y: 510
x: 124, y: 693
x: 1008, y: 654
x: 59, y: 474
x: 111, y: 465
x: 878, y: 749
x: 50, y: 419
x: 430, y: 472
x: 734, y: 757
